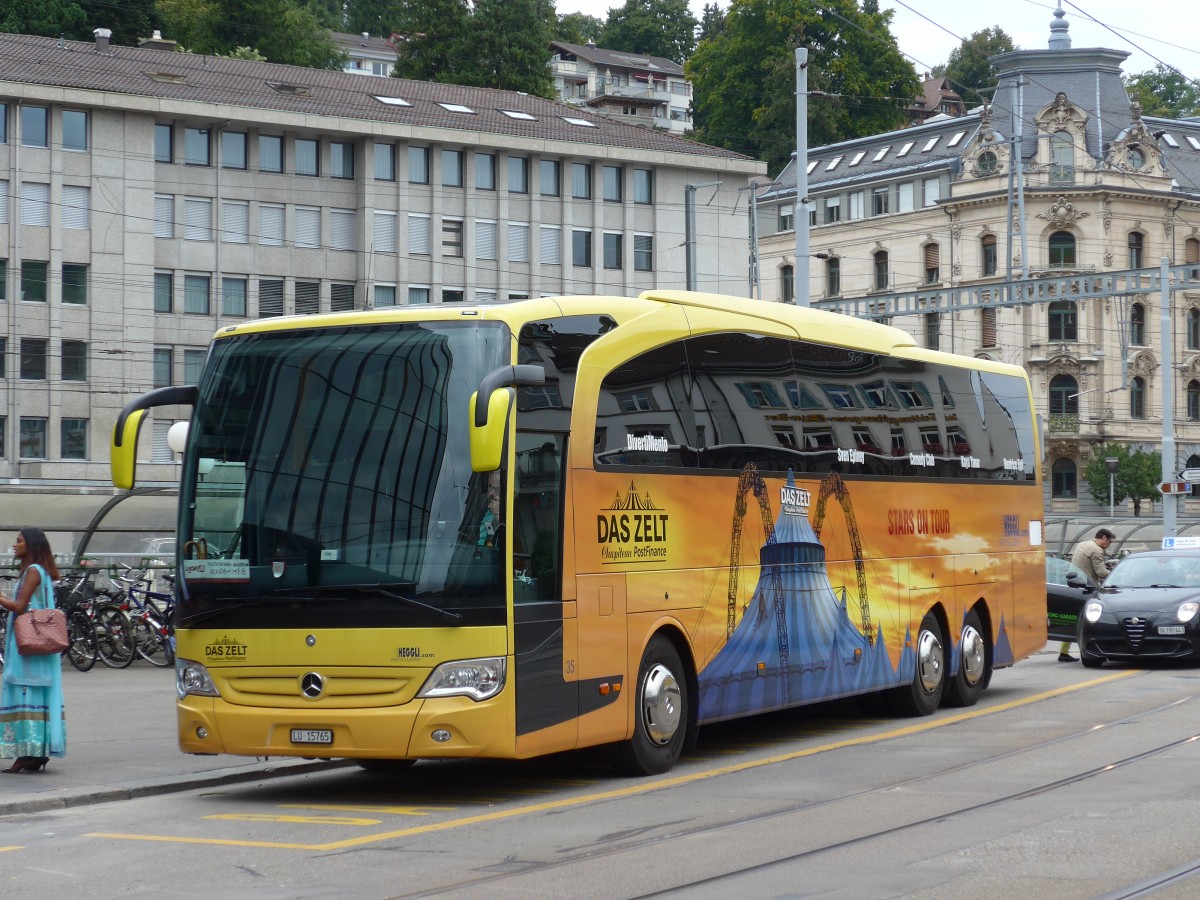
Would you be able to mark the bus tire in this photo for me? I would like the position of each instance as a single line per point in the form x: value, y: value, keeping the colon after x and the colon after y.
x: 661, y: 713
x: 969, y: 680
x: 924, y: 694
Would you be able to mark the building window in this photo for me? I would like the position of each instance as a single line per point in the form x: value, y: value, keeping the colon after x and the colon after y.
x: 196, y: 150
x: 33, y: 359
x: 341, y: 159
x: 164, y: 292
x: 75, y: 283
x: 385, y: 162
x: 833, y: 210
x: 74, y: 361
x: 933, y: 254
x: 74, y: 438
x: 1137, y: 398
x: 35, y: 204
x: 643, y: 186
x: 1191, y: 250
x: 452, y: 238
x: 270, y: 297
x: 452, y: 168
x: 1137, y: 325
x: 197, y: 219
x: 341, y: 297
x: 1062, y: 321
x: 74, y: 129
x: 518, y: 175
x: 612, y: 178
x: 613, y: 244
x: 195, y: 294
x: 233, y: 149
x: 518, y: 242
x: 879, y: 201
x: 385, y: 295
x: 1062, y: 158
x: 193, y: 365
x: 418, y: 296
x: 164, y: 142
x: 308, y: 298
x: 233, y: 296
x: 308, y: 227
x: 307, y: 156
x: 33, y: 280
x: 1193, y: 329
x: 549, y: 245
x: 1062, y: 480
x: 235, y: 222
x: 787, y: 216
x: 581, y: 248
x: 418, y: 165
x: 787, y: 283
x: 833, y: 277
x: 270, y: 153
x: 881, y: 270
x: 35, y: 126
x: 270, y: 225
x: 343, y: 226
x: 162, y: 366
x: 3, y: 296
x: 1062, y: 250
x: 550, y: 177
x: 987, y: 246
x: 581, y: 181
x: 33, y: 438
x: 1193, y: 401
x: 933, y: 326
x: 1064, y: 396
x: 419, y: 235
x: 76, y: 203
x: 485, y: 171
x: 1136, y: 244
x: 643, y: 253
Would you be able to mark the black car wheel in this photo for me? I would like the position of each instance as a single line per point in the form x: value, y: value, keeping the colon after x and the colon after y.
x: 1089, y: 660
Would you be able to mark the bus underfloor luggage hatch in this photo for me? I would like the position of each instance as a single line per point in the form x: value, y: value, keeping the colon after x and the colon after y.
x: 603, y: 646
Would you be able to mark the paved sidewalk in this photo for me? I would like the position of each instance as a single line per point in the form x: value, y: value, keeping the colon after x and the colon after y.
x: 121, y: 744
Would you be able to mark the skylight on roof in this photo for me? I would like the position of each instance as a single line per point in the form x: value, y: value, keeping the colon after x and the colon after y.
x: 954, y: 140
x: 295, y: 90
x: 457, y: 108
x: 167, y: 77
x: 1170, y: 140
x: 904, y: 149
x: 812, y: 165
x: 582, y: 123
x: 881, y: 154
x: 1195, y: 143
x: 833, y: 164
x: 930, y: 144
x: 514, y: 114
x: 858, y: 157
x: 392, y: 101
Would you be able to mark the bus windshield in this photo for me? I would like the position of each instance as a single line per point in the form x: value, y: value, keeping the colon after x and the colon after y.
x: 330, y: 468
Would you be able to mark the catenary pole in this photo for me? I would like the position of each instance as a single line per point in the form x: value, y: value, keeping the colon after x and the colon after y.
x: 800, y: 288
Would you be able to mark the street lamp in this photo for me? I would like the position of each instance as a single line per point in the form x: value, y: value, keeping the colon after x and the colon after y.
x: 1112, y: 462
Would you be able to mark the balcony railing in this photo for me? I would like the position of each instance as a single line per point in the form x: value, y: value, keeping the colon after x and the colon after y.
x: 1061, y: 174
x: 1064, y: 422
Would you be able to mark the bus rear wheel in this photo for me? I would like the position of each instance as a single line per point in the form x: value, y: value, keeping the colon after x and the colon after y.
x: 660, y: 713
x: 921, y: 698
x: 969, y: 680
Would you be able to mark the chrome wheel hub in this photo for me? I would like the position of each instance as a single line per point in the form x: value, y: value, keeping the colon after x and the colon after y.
x: 930, y: 662
x: 974, y: 657
x: 661, y: 704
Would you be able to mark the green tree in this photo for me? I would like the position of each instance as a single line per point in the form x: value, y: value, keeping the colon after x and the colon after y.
x: 578, y: 28
x: 282, y: 31
x: 663, y: 28
x: 744, y: 77
x: 1138, y: 475
x: 48, y: 18
x: 375, y: 17
x: 431, y: 36
x: 968, y: 68
x: 1164, y: 92
x: 712, y: 21
x: 508, y: 46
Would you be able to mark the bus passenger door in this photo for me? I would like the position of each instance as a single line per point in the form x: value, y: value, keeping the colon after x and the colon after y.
x: 602, y: 645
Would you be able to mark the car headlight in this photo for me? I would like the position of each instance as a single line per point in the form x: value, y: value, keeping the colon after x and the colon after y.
x: 192, y: 678
x: 478, y: 679
x: 1187, y: 611
x: 1092, y: 611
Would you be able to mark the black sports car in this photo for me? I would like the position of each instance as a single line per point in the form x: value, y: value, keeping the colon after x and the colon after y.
x: 1148, y: 608
x: 1067, y: 587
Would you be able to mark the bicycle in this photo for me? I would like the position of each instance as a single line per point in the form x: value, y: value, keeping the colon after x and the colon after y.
x: 74, y: 596
x: 151, y: 613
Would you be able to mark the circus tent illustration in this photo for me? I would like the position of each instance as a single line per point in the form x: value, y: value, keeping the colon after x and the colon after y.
x: 796, y: 641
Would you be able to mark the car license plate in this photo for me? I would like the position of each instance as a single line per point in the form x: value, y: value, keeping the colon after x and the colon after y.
x: 312, y: 736
x: 1170, y: 629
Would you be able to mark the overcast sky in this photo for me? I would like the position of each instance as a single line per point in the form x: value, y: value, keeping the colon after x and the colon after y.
x: 1150, y: 30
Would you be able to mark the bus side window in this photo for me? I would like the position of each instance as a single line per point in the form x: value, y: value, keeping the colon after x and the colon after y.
x: 537, y: 516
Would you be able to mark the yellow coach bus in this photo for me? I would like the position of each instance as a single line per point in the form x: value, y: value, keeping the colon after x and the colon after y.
x: 511, y: 530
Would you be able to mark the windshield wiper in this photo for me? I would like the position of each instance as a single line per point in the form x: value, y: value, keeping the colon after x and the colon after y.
x: 377, y: 589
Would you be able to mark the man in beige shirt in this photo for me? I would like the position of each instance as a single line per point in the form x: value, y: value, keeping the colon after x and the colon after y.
x: 1089, y: 557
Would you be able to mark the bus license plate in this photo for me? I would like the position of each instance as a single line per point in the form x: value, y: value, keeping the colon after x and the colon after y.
x: 312, y: 736
x: 1170, y: 629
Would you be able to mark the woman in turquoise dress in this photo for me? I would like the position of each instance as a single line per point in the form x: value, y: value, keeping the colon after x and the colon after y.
x: 32, y: 726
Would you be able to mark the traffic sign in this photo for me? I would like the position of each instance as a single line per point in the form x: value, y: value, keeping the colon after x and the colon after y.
x: 1175, y: 487
x: 1192, y: 476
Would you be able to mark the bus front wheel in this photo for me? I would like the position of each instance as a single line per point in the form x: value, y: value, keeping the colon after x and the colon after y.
x: 921, y: 698
x: 660, y: 714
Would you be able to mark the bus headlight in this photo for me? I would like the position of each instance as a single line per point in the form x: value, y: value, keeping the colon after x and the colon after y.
x: 479, y: 679
x: 1092, y: 611
x: 1187, y: 611
x: 192, y: 678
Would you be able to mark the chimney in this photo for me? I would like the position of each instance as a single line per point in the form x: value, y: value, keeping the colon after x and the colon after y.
x: 103, y: 36
x: 157, y: 42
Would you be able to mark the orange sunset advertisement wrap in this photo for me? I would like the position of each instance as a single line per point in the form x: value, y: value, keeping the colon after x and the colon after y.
x: 804, y: 588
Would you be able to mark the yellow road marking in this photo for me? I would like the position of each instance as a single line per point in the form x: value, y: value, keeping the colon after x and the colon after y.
x: 379, y: 810
x: 6, y: 849
x: 297, y: 820
x: 641, y: 787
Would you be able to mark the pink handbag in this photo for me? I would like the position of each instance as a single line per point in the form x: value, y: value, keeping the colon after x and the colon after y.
x: 40, y: 632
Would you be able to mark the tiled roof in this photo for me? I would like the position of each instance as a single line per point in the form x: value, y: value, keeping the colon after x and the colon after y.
x: 142, y: 72
x: 352, y: 43
x: 619, y: 59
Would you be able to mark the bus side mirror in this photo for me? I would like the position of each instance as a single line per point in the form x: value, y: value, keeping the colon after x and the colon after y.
x: 487, y: 440
x: 123, y: 452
